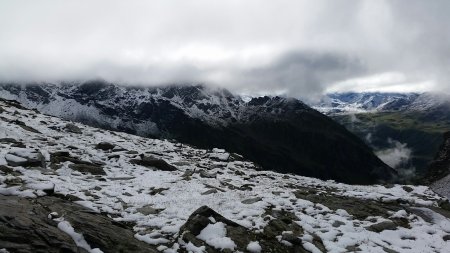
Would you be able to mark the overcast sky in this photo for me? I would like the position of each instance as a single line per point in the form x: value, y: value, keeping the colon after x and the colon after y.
x: 300, y: 48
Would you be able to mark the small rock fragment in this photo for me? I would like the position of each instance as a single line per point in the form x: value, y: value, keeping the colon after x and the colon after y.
x: 53, y: 215
x: 407, y: 188
x: 105, y: 146
x: 211, y: 191
x: 12, y: 142
x: 205, y: 174
x: 148, y: 161
x: 89, y: 168
x: 337, y: 223
x: 251, y: 201
x: 147, y: 210
x: 72, y: 128
x: 385, y: 225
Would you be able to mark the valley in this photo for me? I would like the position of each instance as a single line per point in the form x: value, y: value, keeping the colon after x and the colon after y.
x: 416, y: 121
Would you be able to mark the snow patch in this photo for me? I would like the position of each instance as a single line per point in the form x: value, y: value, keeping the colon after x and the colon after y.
x: 78, y: 238
x: 215, y: 235
x: 254, y: 247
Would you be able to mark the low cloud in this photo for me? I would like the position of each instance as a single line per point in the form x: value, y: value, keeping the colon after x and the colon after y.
x: 398, y: 156
x: 299, y: 48
x: 303, y: 73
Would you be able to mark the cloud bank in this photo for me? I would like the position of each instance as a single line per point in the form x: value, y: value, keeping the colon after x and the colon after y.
x: 300, y: 48
x: 398, y: 156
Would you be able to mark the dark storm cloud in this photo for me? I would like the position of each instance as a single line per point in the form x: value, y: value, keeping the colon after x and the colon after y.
x: 301, y: 48
x: 302, y: 73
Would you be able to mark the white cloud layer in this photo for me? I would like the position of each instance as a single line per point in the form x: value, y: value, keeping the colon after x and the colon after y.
x: 398, y: 155
x: 382, y: 82
x: 302, y: 48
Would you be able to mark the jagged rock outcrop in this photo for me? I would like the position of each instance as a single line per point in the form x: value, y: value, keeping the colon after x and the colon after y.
x: 440, y: 166
x: 241, y: 237
x: 439, y: 169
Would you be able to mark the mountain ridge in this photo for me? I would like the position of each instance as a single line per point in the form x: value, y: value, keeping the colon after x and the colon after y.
x: 363, y: 102
x: 281, y: 134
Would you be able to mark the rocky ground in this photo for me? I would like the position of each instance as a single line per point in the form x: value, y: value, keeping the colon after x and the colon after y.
x: 66, y: 187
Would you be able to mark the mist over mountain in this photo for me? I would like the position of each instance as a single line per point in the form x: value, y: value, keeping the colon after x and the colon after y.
x: 405, y: 129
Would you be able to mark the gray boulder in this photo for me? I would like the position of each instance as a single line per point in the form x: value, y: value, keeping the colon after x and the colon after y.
x: 240, y: 235
x: 72, y: 128
x: 105, y: 146
x: 26, y: 228
x: 25, y: 158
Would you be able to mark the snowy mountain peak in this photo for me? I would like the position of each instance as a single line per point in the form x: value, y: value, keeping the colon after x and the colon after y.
x: 352, y: 102
x: 363, y: 102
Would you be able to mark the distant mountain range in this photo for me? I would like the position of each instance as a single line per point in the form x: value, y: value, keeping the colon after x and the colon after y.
x: 281, y: 134
x: 352, y: 102
x: 413, y: 121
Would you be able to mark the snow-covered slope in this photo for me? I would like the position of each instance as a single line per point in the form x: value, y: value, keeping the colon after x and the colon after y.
x: 75, y: 101
x: 278, y: 133
x: 159, y: 186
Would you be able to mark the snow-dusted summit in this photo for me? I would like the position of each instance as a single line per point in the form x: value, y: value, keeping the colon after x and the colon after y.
x: 354, y: 102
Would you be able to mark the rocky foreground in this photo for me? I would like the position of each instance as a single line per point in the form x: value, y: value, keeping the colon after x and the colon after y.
x: 66, y: 187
